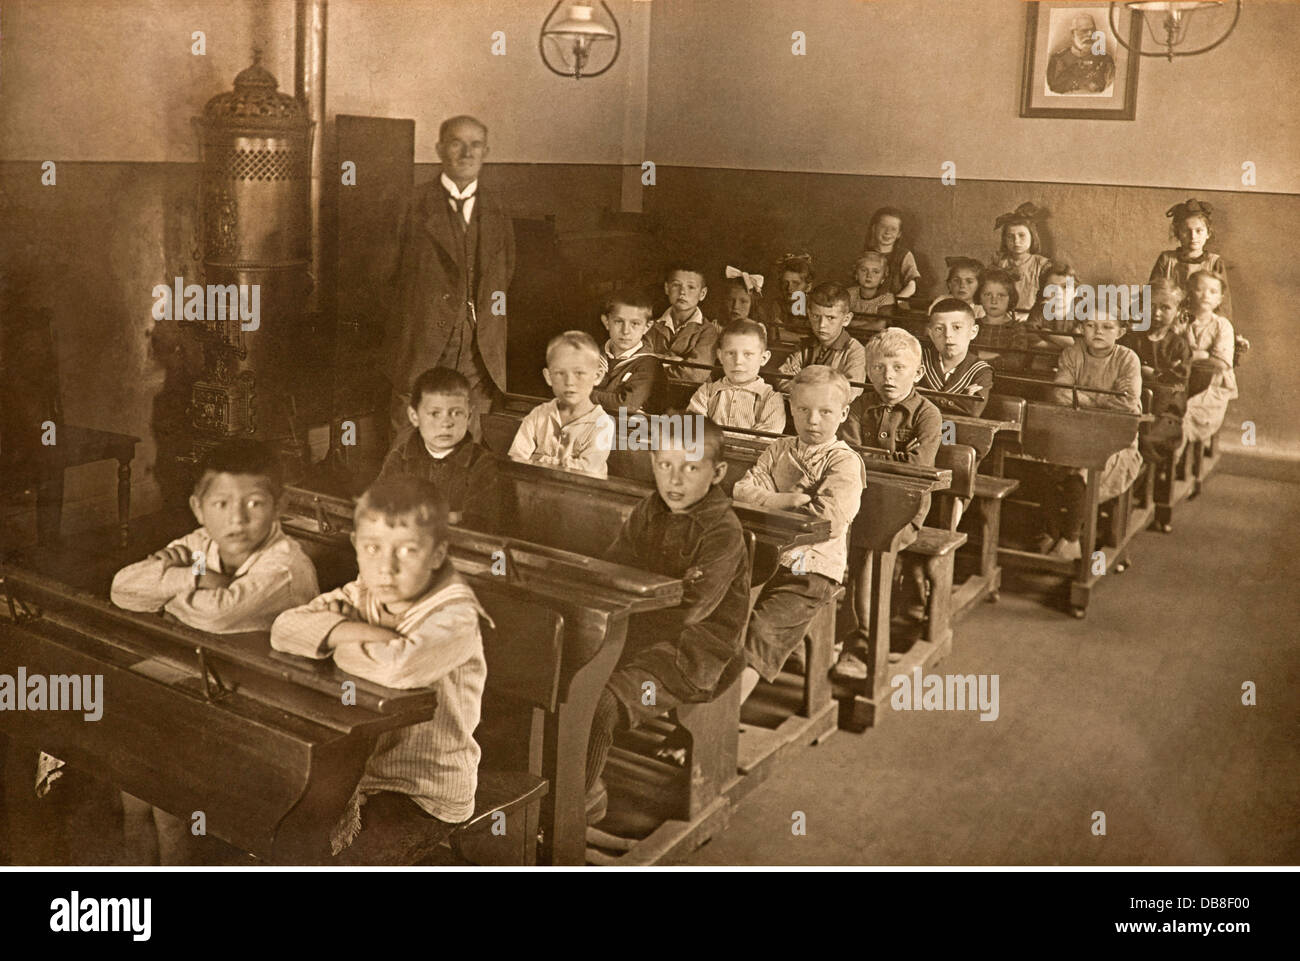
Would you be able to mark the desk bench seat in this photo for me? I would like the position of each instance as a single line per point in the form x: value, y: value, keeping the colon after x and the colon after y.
x: 994, y: 488
x: 473, y: 842
x: 517, y: 795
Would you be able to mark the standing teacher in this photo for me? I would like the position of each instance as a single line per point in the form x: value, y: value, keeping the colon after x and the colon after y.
x: 457, y: 258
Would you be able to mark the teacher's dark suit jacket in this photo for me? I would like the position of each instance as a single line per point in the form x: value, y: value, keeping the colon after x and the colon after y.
x: 430, y: 284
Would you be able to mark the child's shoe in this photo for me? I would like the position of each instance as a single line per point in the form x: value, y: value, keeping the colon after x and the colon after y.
x: 1066, y: 550
x: 851, y: 666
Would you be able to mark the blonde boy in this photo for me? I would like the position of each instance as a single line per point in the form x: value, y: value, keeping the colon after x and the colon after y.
x: 816, y: 473
x: 572, y: 431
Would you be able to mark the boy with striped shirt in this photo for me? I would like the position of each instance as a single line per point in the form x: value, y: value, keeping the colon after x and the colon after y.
x: 947, y: 364
x: 407, y: 621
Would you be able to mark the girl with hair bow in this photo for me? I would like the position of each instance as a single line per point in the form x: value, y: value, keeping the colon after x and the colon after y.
x: 1020, y: 253
x: 744, y: 292
x: 1192, y: 226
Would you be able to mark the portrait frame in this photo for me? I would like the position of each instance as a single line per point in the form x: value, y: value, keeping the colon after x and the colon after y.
x: 1043, y: 31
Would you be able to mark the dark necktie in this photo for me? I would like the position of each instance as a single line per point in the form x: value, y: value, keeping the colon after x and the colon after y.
x: 458, y: 203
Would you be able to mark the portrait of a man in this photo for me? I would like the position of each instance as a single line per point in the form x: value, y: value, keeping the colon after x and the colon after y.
x: 1083, y: 65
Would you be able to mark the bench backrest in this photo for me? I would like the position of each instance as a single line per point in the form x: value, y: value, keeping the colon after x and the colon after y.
x: 499, y: 431
x: 524, y: 650
x: 1005, y: 407
x: 522, y: 646
x: 961, y: 460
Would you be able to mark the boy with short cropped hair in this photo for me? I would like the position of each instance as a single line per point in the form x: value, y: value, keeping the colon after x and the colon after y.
x: 947, y: 364
x: 572, y: 431
x: 786, y: 313
x: 829, y: 344
x: 683, y: 332
x: 407, y: 621
x: 441, y: 450
x: 741, y: 397
x: 894, y: 417
x: 690, y: 653
x: 235, y: 573
x: 238, y: 570
x: 634, y: 378
x: 813, y: 472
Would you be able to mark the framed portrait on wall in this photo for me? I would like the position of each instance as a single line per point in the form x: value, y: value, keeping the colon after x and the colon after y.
x: 1074, y: 67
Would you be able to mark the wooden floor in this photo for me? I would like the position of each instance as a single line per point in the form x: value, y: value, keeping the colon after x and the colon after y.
x: 1135, y: 711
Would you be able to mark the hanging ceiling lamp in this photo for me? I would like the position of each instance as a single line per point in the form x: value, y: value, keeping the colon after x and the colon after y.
x: 1173, y: 17
x: 575, y: 37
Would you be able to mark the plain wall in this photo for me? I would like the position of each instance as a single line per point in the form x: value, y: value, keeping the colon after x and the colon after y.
x: 897, y: 87
x: 115, y: 80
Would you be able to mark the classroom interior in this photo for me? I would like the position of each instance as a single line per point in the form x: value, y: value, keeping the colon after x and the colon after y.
x: 1135, y: 710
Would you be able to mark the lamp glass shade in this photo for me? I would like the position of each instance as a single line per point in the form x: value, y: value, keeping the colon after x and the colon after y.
x: 579, y: 25
x: 1172, y: 6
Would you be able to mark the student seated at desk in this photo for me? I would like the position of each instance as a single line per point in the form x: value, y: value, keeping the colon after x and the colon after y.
x: 1211, y: 338
x: 683, y: 332
x: 785, y: 312
x: 634, y: 379
x: 894, y: 416
x: 1000, y: 330
x: 407, y: 621
x: 741, y: 398
x: 963, y: 282
x: 829, y: 344
x: 1020, y: 252
x: 571, y: 431
x: 440, y: 449
x: 235, y: 573
x: 947, y: 364
x: 1051, y: 320
x: 742, y: 295
x: 885, y: 235
x: 1096, y: 361
x: 813, y: 472
x: 869, y: 295
x: 1166, y: 359
x: 689, y: 653
x: 1192, y: 225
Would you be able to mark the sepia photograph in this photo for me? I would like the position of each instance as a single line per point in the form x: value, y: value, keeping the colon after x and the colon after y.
x: 655, y: 434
